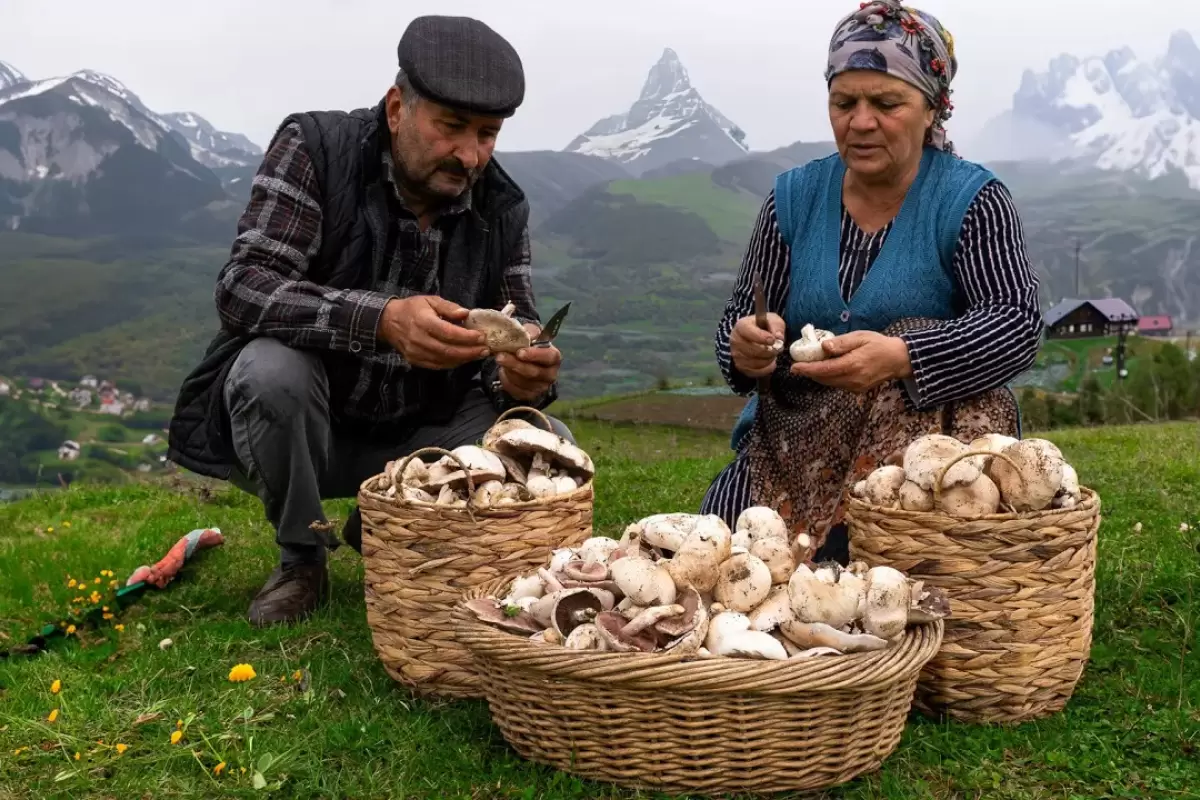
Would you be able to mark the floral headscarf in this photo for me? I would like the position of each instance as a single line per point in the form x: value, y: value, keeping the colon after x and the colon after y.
x: 903, y: 42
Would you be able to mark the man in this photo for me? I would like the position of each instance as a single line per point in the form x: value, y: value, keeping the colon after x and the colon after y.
x: 368, y: 236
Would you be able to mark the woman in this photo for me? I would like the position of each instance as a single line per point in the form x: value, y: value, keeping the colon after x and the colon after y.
x: 913, y: 257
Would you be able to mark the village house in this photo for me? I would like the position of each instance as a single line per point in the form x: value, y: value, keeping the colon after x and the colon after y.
x: 68, y: 451
x: 151, y: 438
x: 1078, y: 319
x: 112, y: 406
x: 142, y: 405
x: 5, y: 389
x: 82, y: 398
x: 1155, y: 326
x: 36, y: 384
x: 89, y: 382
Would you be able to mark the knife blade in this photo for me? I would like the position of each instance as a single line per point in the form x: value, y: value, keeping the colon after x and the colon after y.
x: 551, y: 330
x: 760, y: 318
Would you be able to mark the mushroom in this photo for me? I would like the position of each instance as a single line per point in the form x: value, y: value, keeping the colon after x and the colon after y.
x: 504, y: 333
x: 686, y: 620
x: 564, y: 484
x: 568, y: 609
x: 774, y: 611
x: 926, y: 604
x: 488, y: 610
x: 488, y: 493
x: 611, y: 627
x: 500, y: 428
x: 415, y: 495
x: 540, y: 487
x: 643, y: 581
x: 927, y: 455
x: 597, y: 549
x: 777, y: 555
x: 989, y: 443
x: 649, y: 617
x: 914, y: 498
x: 585, y: 571
x: 1069, y: 493
x: 561, y: 557
x: 532, y: 443
x: 889, y: 596
x: 829, y: 594
x: 585, y: 637
x: 979, y: 498
x: 883, y: 486
x: 699, y: 557
x: 808, y: 346
x: 666, y: 531
x: 447, y: 495
x: 758, y: 522
x: 743, y: 581
x: 818, y: 634
x: 526, y: 586
x: 1029, y: 474
x: 729, y: 634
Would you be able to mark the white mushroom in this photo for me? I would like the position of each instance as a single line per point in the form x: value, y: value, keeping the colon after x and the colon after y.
x: 979, y: 498
x: 541, y: 487
x: 777, y: 555
x: 597, y: 549
x: 502, y: 427
x: 829, y: 594
x: 889, y: 595
x: 989, y: 443
x: 743, y: 582
x: 643, y: 581
x: 1028, y: 473
x: 774, y: 611
x: 543, y: 449
x: 1069, y: 493
x: 700, y: 555
x: 883, y: 486
x: 564, y: 485
x: 818, y: 634
x: 925, y: 458
x: 808, y: 346
x: 914, y: 498
x: 758, y: 522
x: 526, y: 586
x: 729, y: 634
x: 585, y: 637
x: 504, y: 333
x: 488, y: 493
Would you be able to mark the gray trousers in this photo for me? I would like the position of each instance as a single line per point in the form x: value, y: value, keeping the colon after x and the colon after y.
x: 292, y: 457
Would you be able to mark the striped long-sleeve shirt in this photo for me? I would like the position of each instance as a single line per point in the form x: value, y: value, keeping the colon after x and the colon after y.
x: 991, y: 342
x: 265, y: 289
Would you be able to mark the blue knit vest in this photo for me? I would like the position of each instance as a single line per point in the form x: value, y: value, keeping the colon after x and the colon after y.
x: 913, y: 273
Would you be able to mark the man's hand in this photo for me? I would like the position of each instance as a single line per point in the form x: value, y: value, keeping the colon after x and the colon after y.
x: 422, y: 329
x: 859, y: 361
x: 750, y: 345
x: 528, y: 373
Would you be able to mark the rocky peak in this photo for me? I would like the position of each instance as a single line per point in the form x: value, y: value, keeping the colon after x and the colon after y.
x: 10, y: 76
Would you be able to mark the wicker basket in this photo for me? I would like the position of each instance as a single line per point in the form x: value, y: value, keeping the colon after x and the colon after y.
x: 420, y: 557
x: 1022, y: 594
x: 706, y: 726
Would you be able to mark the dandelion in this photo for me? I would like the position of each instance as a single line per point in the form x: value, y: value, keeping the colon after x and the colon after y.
x: 70, y: 630
x: 97, y: 580
x: 105, y: 608
x: 53, y: 716
x: 297, y: 675
x: 49, y: 530
x: 176, y: 736
x: 56, y: 686
x: 67, y: 524
x: 76, y: 755
x: 95, y: 598
x: 121, y: 748
x: 112, y: 584
x: 19, y: 750
x: 119, y: 627
x: 219, y: 768
x: 241, y: 672
x: 107, y: 615
x: 71, y: 584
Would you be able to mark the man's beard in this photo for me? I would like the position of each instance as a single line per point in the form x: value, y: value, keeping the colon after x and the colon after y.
x: 422, y: 184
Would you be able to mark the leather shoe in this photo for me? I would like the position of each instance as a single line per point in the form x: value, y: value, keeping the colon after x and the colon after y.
x: 290, y: 594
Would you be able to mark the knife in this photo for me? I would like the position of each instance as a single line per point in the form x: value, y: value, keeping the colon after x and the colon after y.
x: 551, y: 330
x: 760, y: 318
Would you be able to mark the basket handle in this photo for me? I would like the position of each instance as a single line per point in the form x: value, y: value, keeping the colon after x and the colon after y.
x: 398, y: 470
x: 545, y: 420
x: 941, y: 474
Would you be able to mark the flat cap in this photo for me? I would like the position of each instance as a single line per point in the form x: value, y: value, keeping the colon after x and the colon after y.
x: 462, y: 63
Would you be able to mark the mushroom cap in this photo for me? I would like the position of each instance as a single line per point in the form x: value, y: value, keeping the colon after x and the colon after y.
x: 818, y: 634
x: 777, y: 555
x: 883, y: 486
x: 502, y: 427
x: 611, y: 626
x: 979, y: 498
x: 700, y: 555
x: 643, y: 581
x: 989, y: 443
x: 477, y: 459
x: 927, y: 455
x: 504, y: 334
x: 1031, y: 476
x: 597, y: 549
x: 829, y: 595
x: 488, y: 493
x: 524, y: 586
x: 761, y: 522
x: 680, y: 624
x: 1069, y: 493
x: 889, y: 596
x: 489, y: 611
x: 914, y: 498
x: 585, y: 571
x: 585, y: 637
x: 540, y: 486
x: 743, y: 582
x: 667, y: 531
x: 808, y: 346
x: 525, y: 442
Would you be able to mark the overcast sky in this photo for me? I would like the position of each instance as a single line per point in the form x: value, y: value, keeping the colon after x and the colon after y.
x: 244, y: 64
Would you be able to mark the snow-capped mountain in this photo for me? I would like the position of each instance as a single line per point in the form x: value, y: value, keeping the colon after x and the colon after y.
x: 669, y: 122
x: 82, y: 154
x: 1116, y: 112
x: 212, y: 147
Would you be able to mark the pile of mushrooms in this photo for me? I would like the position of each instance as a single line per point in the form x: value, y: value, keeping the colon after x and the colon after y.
x: 686, y: 584
x: 515, y: 463
x: 1007, y: 475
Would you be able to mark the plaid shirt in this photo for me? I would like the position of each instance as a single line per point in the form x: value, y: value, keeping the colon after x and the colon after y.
x: 263, y: 291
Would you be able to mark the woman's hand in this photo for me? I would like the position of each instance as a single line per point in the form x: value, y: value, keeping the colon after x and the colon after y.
x: 750, y: 345
x: 859, y: 361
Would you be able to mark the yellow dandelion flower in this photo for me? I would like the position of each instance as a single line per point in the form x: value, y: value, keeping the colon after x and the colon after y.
x: 95, y: 598
x: 120, y: 628
x: 243, y: 770
x: 67, y: 524
x: 105, y: 608
x: 241, y: 672
x: 219, y: 768
x: 53, y: 716
x: 112, y: 584
x: 97, y: 580
x: 176, y: 736
x: 78, y: 599
x: 56, y: 686
x: 70, y: 629
x: 108, y: 616
x: 297, y: 675
x: 19, y: 750
x: 71, y: 584
x: 49, y: 530
x: 121, y: 748
x: 76, y: 755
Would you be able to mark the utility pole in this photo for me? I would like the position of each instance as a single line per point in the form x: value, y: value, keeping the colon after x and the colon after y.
x: 1078, y: 290
x: 1121, y: 334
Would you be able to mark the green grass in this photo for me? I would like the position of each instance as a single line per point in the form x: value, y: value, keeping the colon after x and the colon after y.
x: 1132, y: 729
x: 729, y: 214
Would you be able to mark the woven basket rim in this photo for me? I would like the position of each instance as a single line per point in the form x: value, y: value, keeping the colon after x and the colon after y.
x: 399, y: 503
x: 1089, y: 501
x: 692, y: 674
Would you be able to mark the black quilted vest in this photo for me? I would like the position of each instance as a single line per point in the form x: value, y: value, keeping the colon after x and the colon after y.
x: 345, y: 148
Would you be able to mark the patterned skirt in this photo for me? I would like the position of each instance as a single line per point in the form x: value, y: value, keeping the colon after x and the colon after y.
x: 811, y: 443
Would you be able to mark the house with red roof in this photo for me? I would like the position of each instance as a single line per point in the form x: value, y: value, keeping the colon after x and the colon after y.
x: 1159, y: 325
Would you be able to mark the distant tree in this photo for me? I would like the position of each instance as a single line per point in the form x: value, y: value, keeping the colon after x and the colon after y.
x: 1091, y: 401
x: 111, y: 433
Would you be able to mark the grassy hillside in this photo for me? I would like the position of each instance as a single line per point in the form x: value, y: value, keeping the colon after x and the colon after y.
x: 348, y: 731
